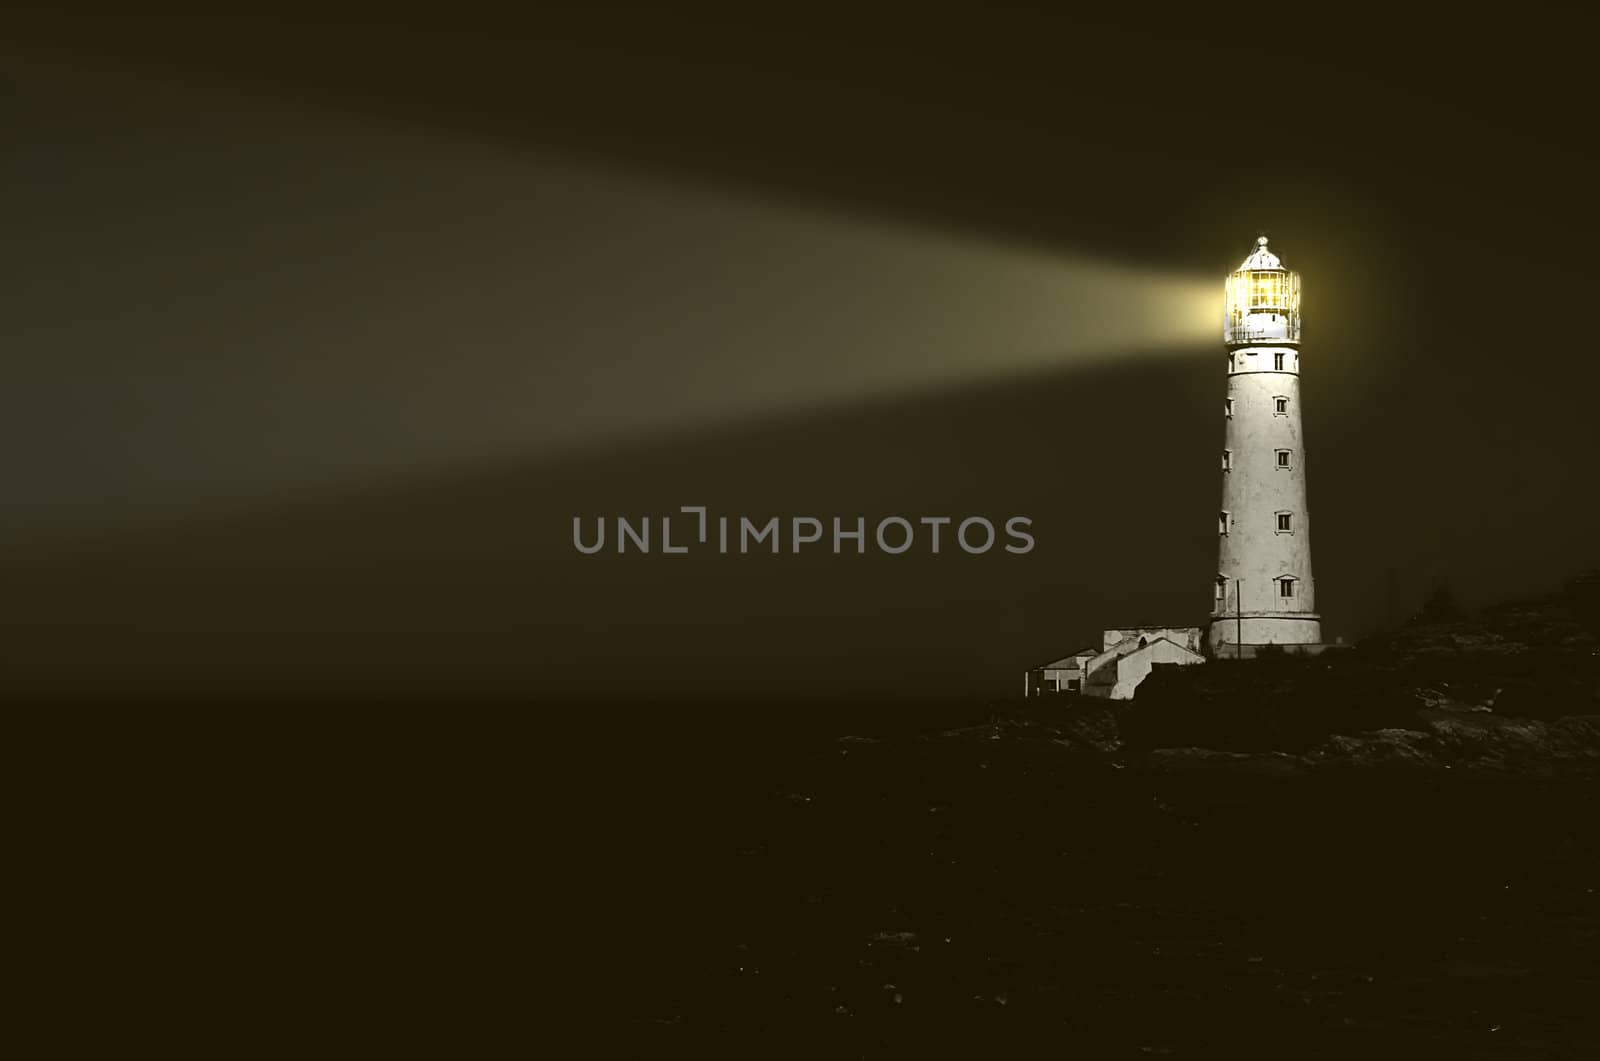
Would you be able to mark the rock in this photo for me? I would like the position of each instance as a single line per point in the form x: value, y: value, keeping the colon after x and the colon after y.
x: 1383, y: 748
x: 1465, y: 739
x: 1094, y: 727
x: 1188, y: 760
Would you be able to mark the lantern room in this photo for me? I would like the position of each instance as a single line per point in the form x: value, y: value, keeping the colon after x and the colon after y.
x: 1261, y: 301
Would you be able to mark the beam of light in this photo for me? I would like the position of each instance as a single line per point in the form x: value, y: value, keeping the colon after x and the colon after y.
x: 294, y: 302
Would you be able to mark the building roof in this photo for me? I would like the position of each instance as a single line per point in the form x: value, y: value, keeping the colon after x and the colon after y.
x: 1132, y: 645
x: 1174, y: 644
x: 1261, y: 258
x: 1062, y: 662
x: 1106, y: 674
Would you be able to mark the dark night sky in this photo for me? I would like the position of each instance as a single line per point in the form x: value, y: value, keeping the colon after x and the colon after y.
x: 298, y: 308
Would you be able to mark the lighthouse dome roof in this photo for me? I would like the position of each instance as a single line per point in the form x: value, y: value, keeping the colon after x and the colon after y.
x: 1261, y: 258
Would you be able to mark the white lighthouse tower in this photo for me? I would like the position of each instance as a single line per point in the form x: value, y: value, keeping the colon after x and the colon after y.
x: 1264, y: 593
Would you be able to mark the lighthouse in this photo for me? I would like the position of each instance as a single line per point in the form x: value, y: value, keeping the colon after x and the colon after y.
x: 1264, y: 593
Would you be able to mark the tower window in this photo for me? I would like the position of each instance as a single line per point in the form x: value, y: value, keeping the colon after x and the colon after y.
x: 1280, y: 406
x: 1286, y: 588
x: 1227, y: 407
x: 1285, y: 522
x: 1283, y: 458
x: 1227, y: 460
x: 1222, y: 523
x: 1222, y: 589
x: 1277, y: 362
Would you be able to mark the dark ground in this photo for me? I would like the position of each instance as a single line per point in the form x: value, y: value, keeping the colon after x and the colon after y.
x: 980, y: 888
x: 408, y: 879
x: 1419, y: 882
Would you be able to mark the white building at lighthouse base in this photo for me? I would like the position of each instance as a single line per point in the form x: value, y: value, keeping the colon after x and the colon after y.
x: 1125, y: 658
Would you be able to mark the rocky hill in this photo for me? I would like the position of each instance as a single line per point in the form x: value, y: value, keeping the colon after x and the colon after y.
x: 1449, y: 686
